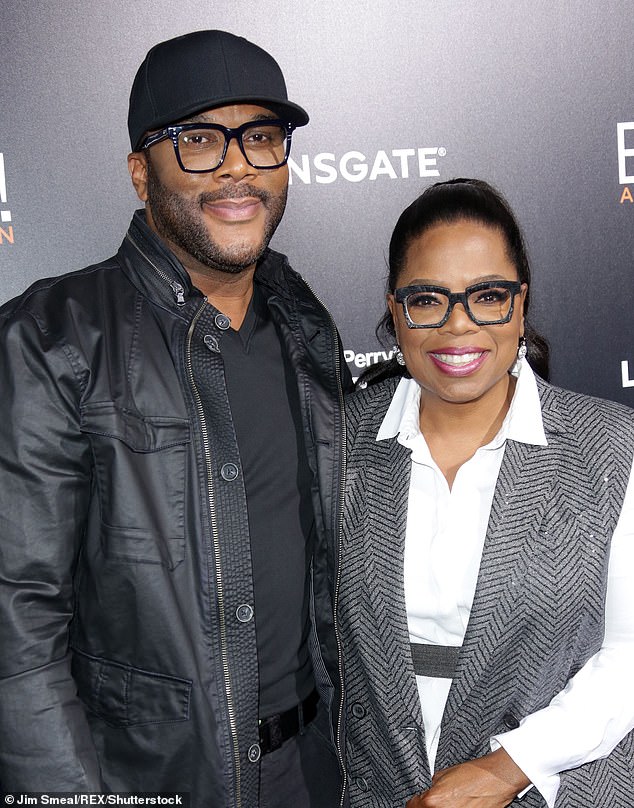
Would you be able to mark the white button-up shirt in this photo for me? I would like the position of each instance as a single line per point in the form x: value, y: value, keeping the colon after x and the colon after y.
x: 445, y: 535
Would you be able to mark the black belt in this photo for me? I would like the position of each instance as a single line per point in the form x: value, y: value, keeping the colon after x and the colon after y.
x: 435, y: 660
x: 278, y: 728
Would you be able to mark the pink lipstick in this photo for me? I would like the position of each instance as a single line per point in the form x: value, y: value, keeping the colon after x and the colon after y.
x: 459, y: 361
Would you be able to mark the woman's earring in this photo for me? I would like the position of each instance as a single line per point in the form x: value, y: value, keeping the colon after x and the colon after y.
x: 399, y: 356
x: 521, y: 351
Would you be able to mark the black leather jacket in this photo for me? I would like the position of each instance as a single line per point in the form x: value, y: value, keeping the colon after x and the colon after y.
x: 123, y: 540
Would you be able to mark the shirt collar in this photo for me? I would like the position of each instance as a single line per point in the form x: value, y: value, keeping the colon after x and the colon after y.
x: 523, y: 422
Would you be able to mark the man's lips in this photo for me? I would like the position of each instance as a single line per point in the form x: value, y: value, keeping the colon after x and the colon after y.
x: 241, y: 209
x: 458, y: 361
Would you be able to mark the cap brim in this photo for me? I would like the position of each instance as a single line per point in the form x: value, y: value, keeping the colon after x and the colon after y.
x: 286, y: 110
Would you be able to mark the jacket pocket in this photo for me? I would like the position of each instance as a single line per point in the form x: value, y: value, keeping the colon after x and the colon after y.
x: 140, y: 468
x: 124, y: 696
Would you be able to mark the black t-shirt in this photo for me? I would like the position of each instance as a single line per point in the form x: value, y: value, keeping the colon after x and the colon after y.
x: 265, y: 407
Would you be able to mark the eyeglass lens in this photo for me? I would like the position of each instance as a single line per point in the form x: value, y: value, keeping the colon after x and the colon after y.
x: 202, y: 149
x: 486, y: 305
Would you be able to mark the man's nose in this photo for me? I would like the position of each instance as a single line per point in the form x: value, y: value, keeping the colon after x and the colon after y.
x: 235, y: 164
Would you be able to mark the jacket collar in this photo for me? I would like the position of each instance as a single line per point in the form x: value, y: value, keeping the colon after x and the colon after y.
x: 155, y: 270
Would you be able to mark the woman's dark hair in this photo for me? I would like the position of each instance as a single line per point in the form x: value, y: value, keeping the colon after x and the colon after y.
x: 446, y: 203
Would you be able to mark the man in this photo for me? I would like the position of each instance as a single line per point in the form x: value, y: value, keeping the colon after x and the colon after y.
x: 171, y: 456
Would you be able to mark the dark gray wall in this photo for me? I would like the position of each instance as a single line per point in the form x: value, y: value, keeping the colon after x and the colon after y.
x: 527, y: 95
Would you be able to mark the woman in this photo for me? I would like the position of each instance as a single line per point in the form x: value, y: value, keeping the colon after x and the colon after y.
x: 488, y: 536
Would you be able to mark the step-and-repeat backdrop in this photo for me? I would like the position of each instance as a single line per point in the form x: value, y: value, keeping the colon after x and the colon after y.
x: 534, y: 96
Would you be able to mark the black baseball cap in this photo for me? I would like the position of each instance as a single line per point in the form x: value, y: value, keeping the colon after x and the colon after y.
x: 202, y: 70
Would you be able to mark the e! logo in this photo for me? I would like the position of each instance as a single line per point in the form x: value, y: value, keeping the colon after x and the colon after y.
x: 624, y: 153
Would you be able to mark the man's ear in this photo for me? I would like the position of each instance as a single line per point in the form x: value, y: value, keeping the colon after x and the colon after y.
x: 137, y: 166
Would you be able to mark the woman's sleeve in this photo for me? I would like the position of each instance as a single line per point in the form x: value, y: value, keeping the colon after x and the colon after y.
x: 595, y: 710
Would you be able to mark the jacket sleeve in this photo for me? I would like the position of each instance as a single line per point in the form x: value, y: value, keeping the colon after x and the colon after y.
x: 45, y: 483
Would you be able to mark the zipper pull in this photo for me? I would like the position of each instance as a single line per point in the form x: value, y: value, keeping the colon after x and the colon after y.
x: 179, y: 293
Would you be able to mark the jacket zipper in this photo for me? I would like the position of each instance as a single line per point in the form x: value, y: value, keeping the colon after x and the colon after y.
x: 216, y: 554
x: 344, y: 779
x: 178, y: 290
x: 339, y: 529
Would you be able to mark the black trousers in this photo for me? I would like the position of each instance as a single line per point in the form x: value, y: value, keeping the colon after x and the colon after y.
x: 304, y: 772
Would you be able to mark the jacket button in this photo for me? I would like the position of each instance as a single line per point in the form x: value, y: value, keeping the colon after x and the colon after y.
x: 244, y: 612
x: 362, y: 784
x: 358, y: 710
x: 254, y: 753
x: 229, y: 472
x: 222, y: 321
x: 510, y: 721
x: 212, y: 343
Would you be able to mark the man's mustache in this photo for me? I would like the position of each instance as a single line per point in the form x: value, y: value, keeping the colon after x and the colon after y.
x: 234, y: 192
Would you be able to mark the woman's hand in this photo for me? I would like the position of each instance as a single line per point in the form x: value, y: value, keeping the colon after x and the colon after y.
x: 492, y: 781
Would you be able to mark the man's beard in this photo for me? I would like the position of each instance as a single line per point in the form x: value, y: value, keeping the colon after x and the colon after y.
x: 179, y: 220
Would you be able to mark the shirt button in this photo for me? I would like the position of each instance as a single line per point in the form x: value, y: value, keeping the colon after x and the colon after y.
x: 244, y: 613
x: 222, y: 321
x: 254, y: 753
x: 358, y: 710
x: 212, y: 343
x: 229, y: 472
x: 510, y: 722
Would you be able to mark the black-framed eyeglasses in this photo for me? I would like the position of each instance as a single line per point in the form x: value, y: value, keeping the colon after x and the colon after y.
x: 202, y: 147
x: 486, y: 303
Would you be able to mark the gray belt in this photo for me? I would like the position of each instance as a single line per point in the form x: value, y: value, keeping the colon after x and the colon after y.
x: 435, y: 660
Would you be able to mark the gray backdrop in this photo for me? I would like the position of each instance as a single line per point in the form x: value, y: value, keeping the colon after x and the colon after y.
x: 534, y: 96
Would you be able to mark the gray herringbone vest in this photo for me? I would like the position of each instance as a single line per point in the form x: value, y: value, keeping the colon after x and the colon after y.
x: 537, y: 614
